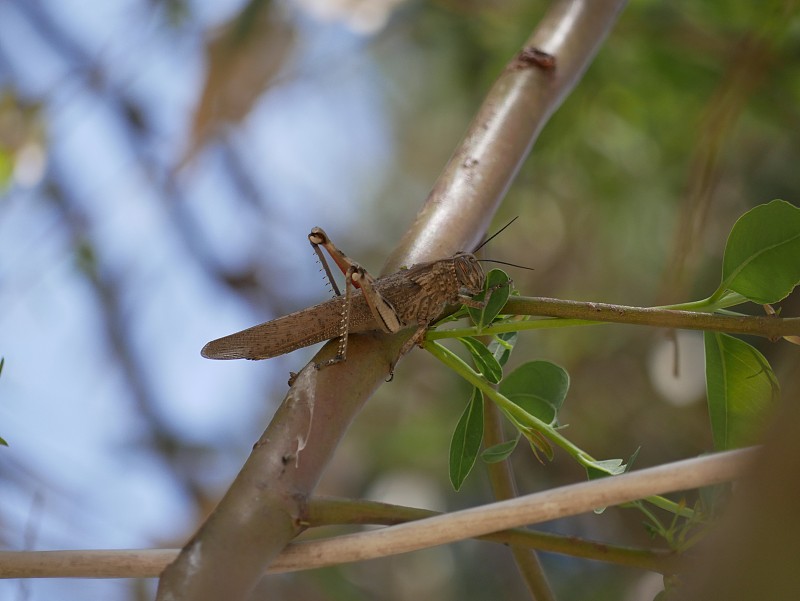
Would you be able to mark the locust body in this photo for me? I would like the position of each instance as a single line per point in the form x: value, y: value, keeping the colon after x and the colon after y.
x: 412, y: 297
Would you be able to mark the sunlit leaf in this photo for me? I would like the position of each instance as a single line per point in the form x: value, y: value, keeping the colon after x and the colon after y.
x: 604, y: 468
x: 484, y: 360
x: 539, y: 387
x: 498, y: 282
x: 466, y: 441
x: 741, y: 390
x: 762, y: 256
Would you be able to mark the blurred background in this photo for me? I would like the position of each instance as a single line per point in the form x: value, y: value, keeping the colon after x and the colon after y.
x: 162, y: 161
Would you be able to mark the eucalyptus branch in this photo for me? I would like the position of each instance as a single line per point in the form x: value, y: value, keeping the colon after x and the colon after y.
x: 574, y: 313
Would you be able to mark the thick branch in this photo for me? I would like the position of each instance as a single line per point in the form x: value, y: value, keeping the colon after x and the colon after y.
x: 498, y: 140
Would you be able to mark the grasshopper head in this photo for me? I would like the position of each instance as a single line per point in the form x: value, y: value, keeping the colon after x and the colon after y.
x: 469, y: 272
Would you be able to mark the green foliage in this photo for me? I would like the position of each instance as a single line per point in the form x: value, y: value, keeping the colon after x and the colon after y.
x: 498, y: 287
x: 762, y: 256
x: 530, y: 398
x: 761, y: 264
x: 502, y: 345
x: 500, y: 451
x: 483, y: 358
x: 466, y: 442
x: 741, y: 389
x: 539, y: 388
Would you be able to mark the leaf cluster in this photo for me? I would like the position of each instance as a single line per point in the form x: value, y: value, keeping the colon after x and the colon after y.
x: 760, y: 266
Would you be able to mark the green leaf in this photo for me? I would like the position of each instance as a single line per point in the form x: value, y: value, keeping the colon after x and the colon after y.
x: 604, y: 468
x: 466, y: 442
x: 539, y: 387
x: 762, y: 256
x: 632, y: 459
x: 3, y: 442
x: 498, y: 282
x: 484, y: 360
x: 502, y: 345
x: 499, y: 452
x: 741, y: 389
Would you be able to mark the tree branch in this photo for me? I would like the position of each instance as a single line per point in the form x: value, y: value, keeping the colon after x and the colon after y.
x: 501, y: 478
x: 491, y: 522
x: 587, y: 313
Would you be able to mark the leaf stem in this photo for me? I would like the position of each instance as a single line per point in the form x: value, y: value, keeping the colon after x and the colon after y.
x: 525, y: 421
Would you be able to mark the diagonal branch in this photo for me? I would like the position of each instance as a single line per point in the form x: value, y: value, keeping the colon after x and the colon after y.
x: 262, y: 510
x: 429, y: 529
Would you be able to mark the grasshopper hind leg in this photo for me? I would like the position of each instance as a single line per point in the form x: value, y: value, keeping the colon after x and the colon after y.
x: 344, y: 324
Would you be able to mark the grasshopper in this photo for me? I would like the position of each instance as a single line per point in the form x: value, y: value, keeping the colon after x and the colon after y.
x: 414, y: 296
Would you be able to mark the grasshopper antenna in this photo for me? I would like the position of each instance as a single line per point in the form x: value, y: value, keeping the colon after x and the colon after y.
x: 493, y: 236
x: 506, y: 263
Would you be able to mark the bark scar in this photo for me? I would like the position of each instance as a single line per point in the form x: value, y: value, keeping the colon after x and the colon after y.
x: 533, y: 57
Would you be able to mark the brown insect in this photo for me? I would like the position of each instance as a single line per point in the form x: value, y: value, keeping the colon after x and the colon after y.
x: 412, y: 297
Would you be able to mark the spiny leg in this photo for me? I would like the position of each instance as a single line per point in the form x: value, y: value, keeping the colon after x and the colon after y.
x: 317, y: 239
x: 344, y: 324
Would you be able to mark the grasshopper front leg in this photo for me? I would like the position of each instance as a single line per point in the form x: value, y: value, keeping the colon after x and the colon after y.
x: 355, y: 275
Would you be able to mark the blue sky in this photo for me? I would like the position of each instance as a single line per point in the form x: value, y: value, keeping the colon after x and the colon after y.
x: 79, y: 472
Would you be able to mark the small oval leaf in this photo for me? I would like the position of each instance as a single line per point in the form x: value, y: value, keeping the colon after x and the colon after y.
x: 762, y: 256
x: 466, y: 441
x: 741, y: 389
x: 499, y: 283
x: 499, y: 452
x: 539, y: 387
x: 485, y: 362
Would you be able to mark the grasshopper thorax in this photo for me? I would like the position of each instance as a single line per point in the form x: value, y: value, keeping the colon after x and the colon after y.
x: 469, y: 272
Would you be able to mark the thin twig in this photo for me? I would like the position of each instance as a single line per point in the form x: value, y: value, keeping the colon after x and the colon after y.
x: 501, y: 477
x: 438, y: 530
